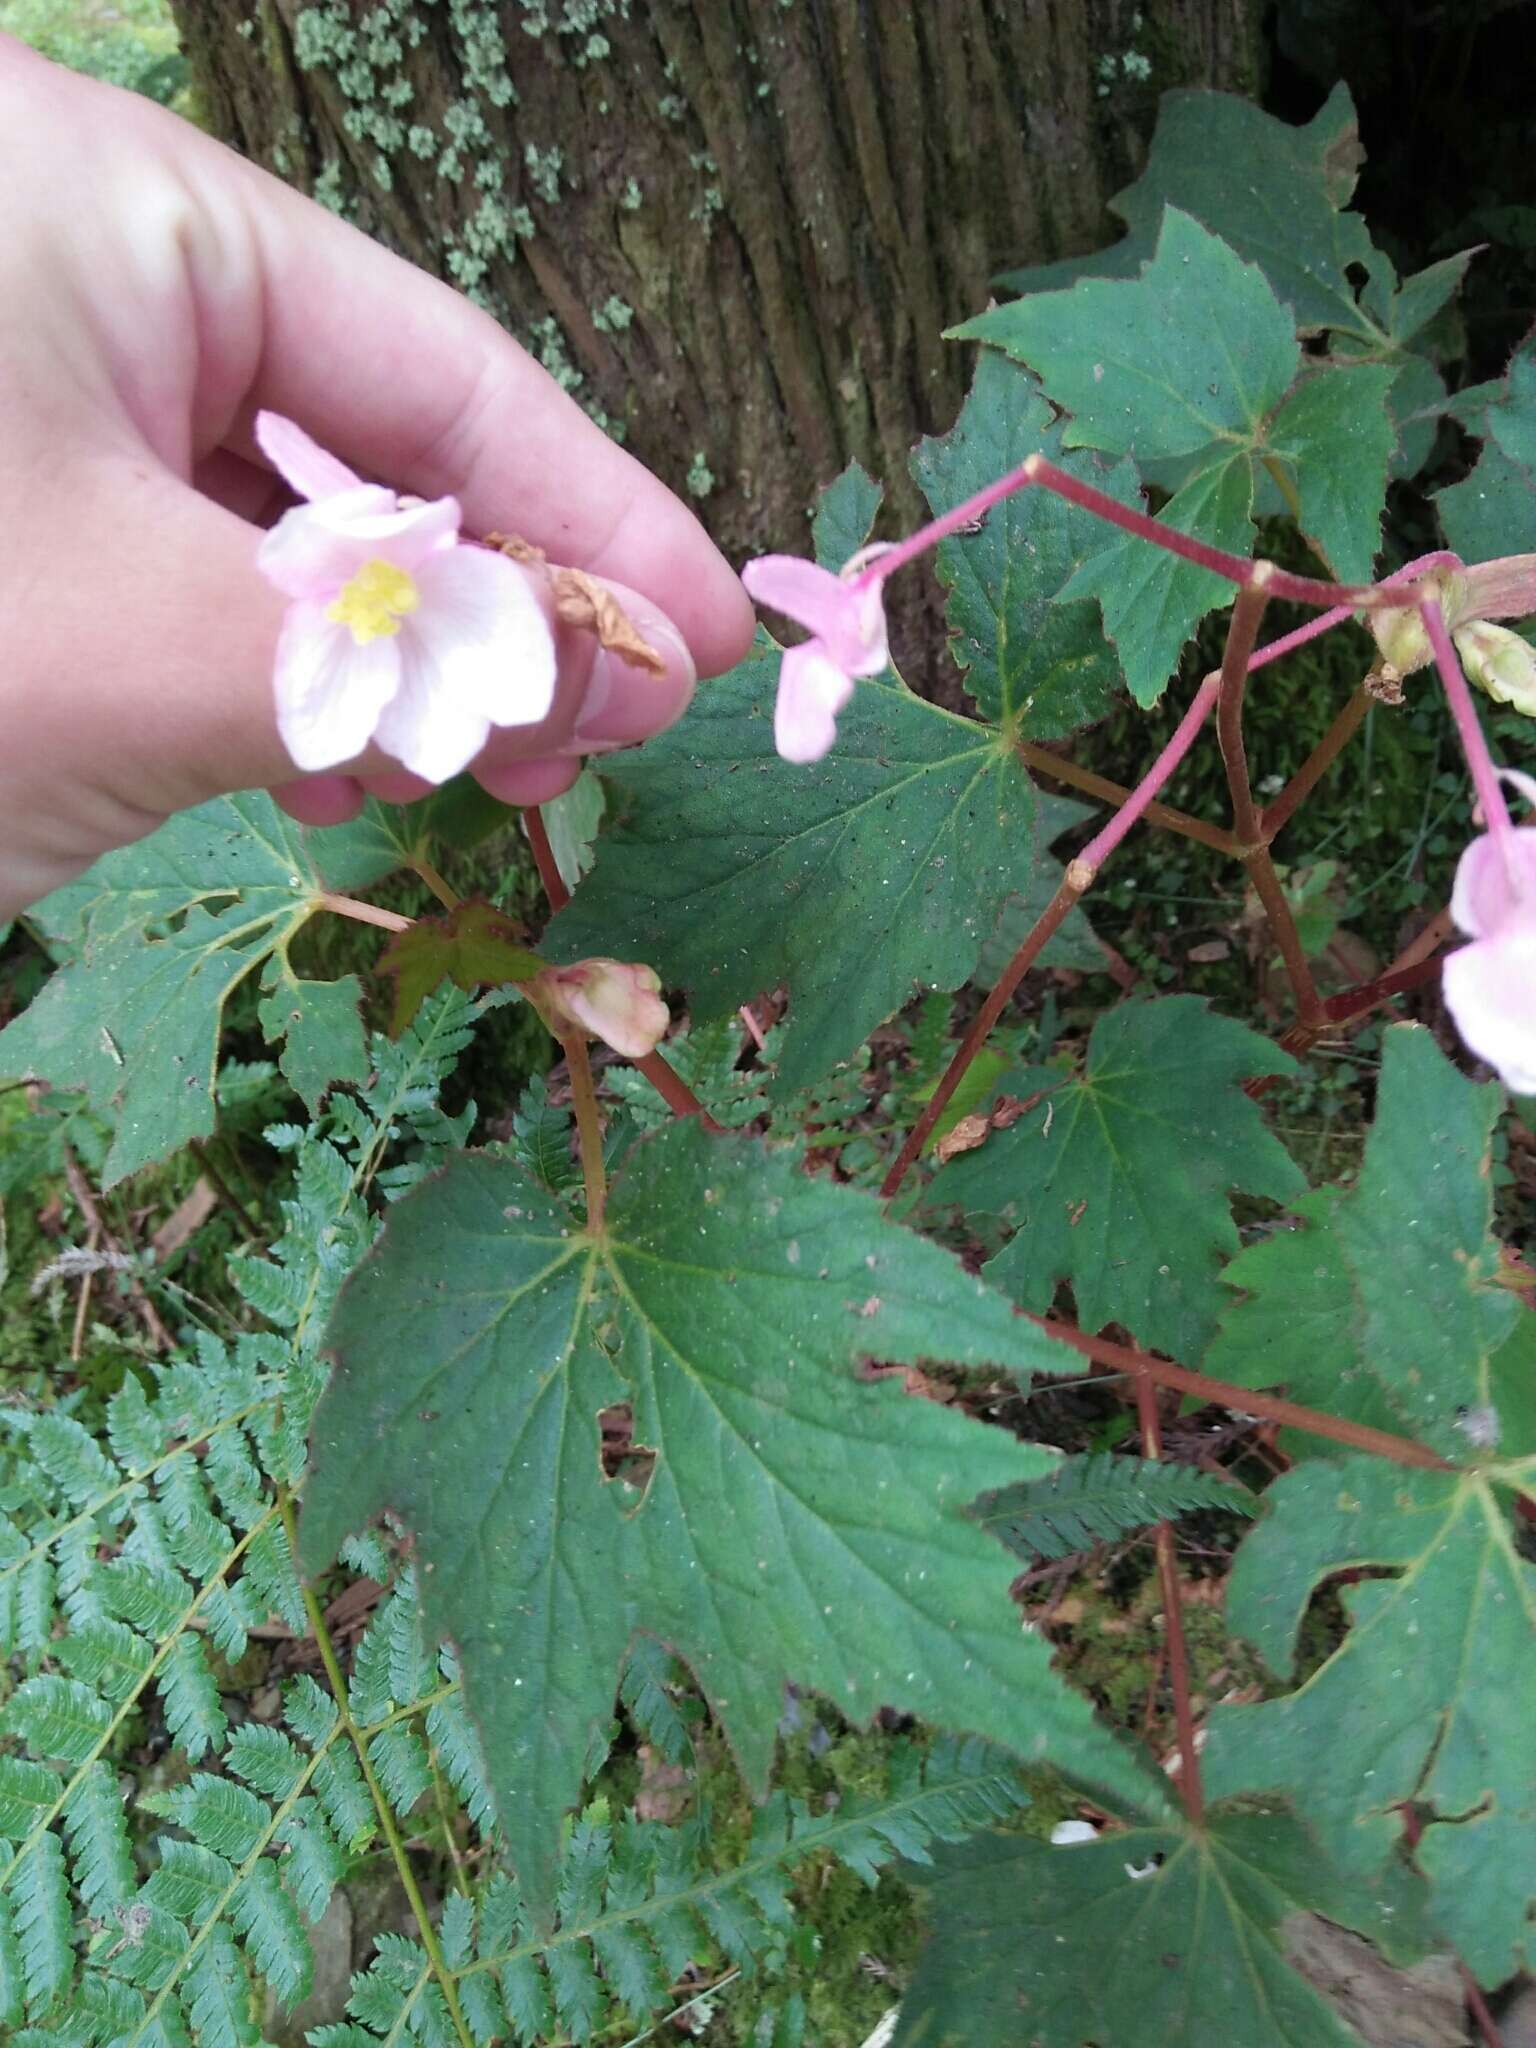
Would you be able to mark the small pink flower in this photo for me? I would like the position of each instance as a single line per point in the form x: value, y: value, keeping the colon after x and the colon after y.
x: 397, y: 631
x: 617, y: 1001
x: 1490, y: 985
x: 847, y: 621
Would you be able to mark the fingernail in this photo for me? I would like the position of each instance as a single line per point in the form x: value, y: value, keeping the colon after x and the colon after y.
x: 624, y: 703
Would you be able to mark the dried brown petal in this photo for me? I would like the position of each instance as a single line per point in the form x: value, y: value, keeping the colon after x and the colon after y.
x: 581, y: 600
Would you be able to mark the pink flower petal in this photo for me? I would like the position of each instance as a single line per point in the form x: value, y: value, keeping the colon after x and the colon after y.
x: 812, y: 690
x: 1490, y: 990
x: 617, y: 1001
x: 427, y: 729
x: 303, y: 464
x: 314, y: 549
x: 1495, y: 883
x: 848, y: 620
x: 1503, y: 589
x: 329, y: 690
x: 481, y: 638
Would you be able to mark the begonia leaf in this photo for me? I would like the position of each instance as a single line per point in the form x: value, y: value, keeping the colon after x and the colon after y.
x: 1187, y: 359
x: 798, y: 1522
x: 1334, y: 436
x: 1149, y: 1937
x: 726, y: 869
x: 474, y: 946
x: 159, y: 933
x: 1152, y: 601
x: 1119, y: 1179
x: 1386, y: 1305
x: 845, y: 511
x: 1427, y: 1700
x: 1038, y: 668
x: 1493, y: 511
x: 1284, y: 210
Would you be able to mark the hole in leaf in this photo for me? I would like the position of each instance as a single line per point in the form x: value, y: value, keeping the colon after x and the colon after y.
x: 618, y: 1453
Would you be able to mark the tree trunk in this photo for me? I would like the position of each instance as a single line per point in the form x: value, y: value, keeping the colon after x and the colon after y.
x: 736, y: 229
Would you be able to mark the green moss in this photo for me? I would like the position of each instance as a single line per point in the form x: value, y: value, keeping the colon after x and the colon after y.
x: 613, y: 316
x: 700, y: 478
x: 544, y: 167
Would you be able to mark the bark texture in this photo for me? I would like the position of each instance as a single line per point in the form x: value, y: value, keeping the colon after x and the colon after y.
x: 736, y: 228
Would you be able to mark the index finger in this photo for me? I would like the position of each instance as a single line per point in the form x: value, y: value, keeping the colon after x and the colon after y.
x: 444, y: 401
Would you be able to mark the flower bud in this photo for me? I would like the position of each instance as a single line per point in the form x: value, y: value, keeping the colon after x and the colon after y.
x: 1499, y: 662
x: 617, y: 1001
x: 1400, y: 634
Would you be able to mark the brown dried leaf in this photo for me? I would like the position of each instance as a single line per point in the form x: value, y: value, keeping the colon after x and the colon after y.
x: 665, y: 1789
x: 970, y: 1132
x: 581, y: 600
x: 516, y: 549
x: 188, y: 1215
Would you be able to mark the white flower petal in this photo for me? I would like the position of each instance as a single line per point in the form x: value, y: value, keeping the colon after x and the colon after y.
x: 812, y: 690
x: 303, y: 464
x: 329, y: 690
x: 314, y: 549
x: 425, y: 729
x: 481, y: 636
x: 1490, y: 991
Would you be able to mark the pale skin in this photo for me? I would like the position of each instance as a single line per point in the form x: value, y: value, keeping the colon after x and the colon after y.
x: 155, y: 291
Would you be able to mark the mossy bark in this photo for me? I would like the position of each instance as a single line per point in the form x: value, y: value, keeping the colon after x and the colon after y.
x: 736, y: 228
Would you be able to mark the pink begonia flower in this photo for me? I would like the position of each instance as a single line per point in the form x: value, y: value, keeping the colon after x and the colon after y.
x: 617, y: 1001
x: 397, y: 631
x: 847, y: 621
x: 1490, y: 985
x: 1497, y: 660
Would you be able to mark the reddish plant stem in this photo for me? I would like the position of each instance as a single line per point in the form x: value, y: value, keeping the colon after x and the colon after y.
x: 1276, y: 816
x: 1076, y: 881
x: 1074, y: 777
x: 1358, y: 1436
x: 1242, y: 633
x: 1036, y: 470
x: 1477, y: 2006
x: 544, y: 858
x: 981, y: 1027
x: 1485, y: 777
x: 1413, y: 967
x: 434, y: 881
x: 589, y: 1129
x: 1282, y: 929
x: 363, y: 913
x: 669, y: 1085
x: 674, y: 1090
x: 1190, y: 1789
x: 1247, y: 827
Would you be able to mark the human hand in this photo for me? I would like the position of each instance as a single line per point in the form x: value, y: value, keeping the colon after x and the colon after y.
x: 155, y: 292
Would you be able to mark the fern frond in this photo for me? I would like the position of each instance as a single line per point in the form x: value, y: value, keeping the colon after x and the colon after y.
x: 39, y: 1899
x: 1095, y: 1497
x: 100, y: 1851
x: 541, y: 1140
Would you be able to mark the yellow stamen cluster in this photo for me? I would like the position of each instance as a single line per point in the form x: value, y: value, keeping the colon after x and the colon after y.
x: 375, y: 600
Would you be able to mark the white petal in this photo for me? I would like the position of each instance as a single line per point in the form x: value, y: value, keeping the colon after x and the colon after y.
x: 812, y: 690
x: 303, y: 464
x: 425, y: 730
x: 315, y: 549
x: 329, y: 690
x: 1490, y: 991
x: 482, y: 636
